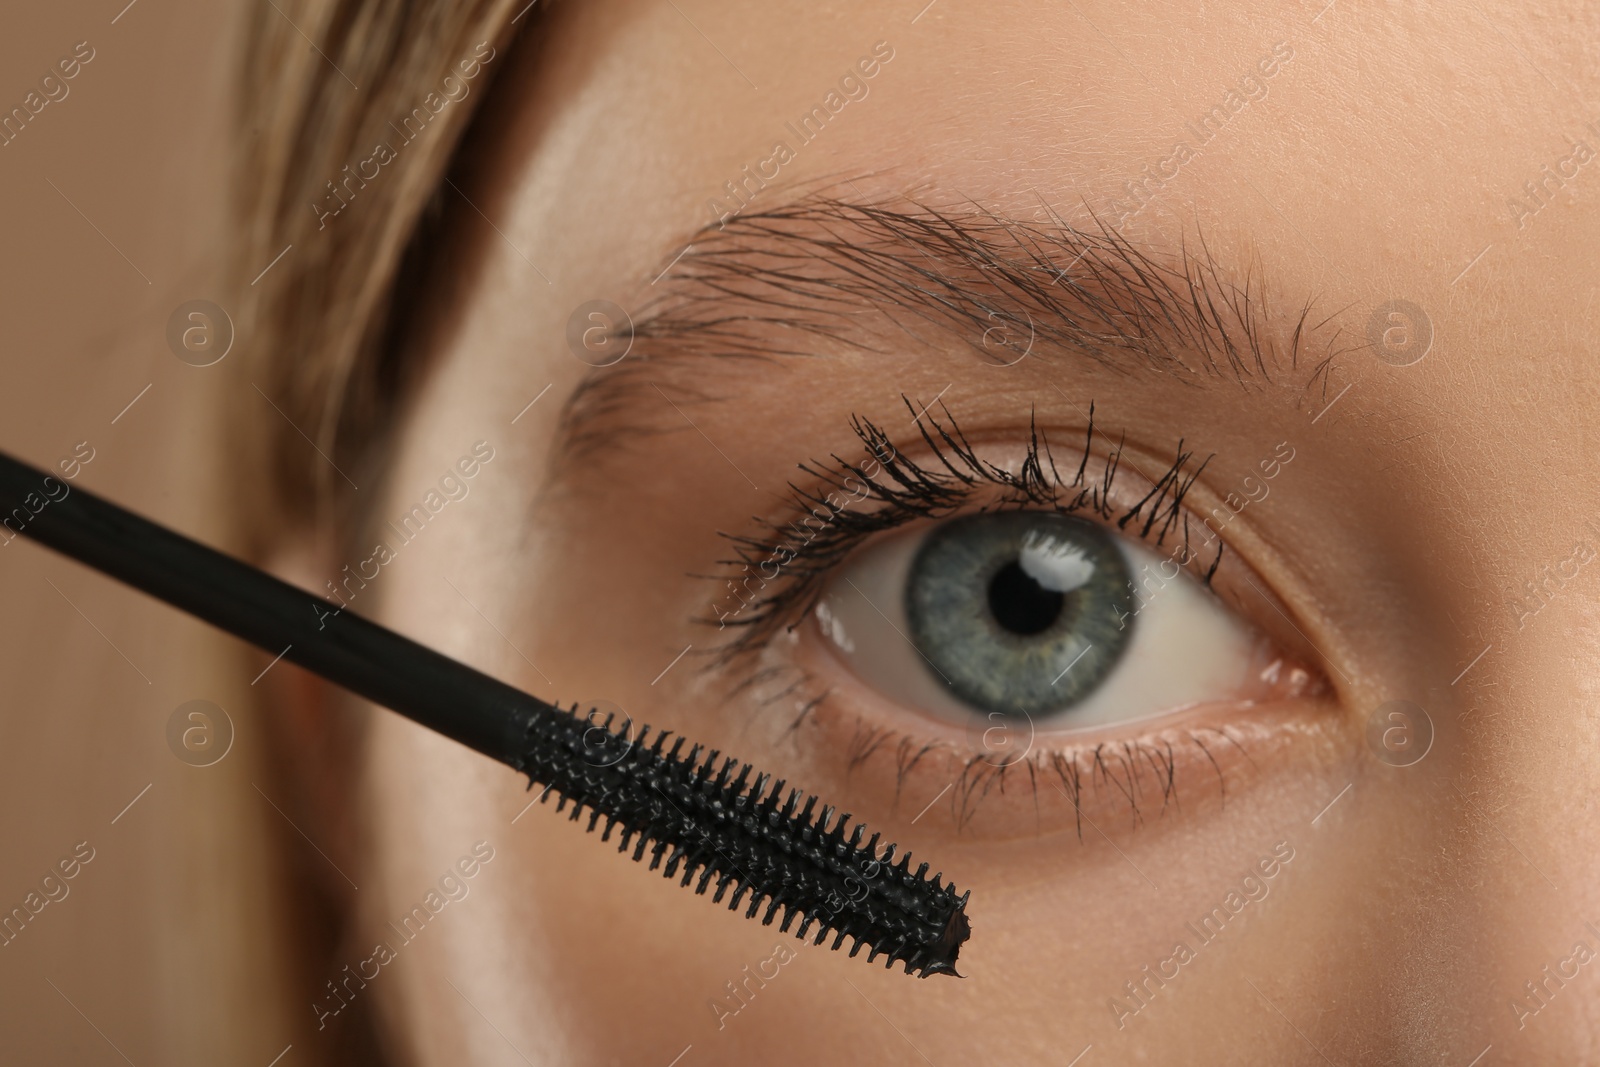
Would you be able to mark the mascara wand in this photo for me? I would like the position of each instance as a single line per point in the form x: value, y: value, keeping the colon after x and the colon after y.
x: 702, y: 818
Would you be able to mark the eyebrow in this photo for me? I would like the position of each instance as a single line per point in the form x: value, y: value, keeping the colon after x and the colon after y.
x: 773, y: 285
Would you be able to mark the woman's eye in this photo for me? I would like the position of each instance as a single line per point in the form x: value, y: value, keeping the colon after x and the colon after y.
x: 1036, y: 615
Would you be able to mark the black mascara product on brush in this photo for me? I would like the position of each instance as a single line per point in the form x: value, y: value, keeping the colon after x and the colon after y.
x: 707, y: 820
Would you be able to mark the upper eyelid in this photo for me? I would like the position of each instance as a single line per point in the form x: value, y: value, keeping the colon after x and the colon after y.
x: 960, y: 463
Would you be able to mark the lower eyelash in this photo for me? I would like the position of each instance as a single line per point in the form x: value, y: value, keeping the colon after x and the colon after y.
x: 1073, y: 771
x: 904, y: 491
x: 1068, y: 769
x: 1135, y: 755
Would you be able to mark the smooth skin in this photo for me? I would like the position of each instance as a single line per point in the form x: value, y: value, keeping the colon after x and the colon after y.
x: 1389, y: 554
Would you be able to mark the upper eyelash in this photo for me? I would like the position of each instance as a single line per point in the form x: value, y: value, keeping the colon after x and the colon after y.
x: 906, y: 491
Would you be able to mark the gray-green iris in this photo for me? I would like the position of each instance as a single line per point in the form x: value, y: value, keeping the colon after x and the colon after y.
x: 1020, y: 612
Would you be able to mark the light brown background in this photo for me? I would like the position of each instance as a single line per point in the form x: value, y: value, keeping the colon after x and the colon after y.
x: 167, y: 945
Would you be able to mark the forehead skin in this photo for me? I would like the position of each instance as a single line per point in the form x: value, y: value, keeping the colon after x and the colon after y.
x: 1379, y: 165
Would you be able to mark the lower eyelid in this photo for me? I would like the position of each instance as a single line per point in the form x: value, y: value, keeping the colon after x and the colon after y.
x: 919, y: 779
x: 937, y: 783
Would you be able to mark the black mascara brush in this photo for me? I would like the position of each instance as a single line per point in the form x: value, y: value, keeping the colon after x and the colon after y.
x: 704, y: 819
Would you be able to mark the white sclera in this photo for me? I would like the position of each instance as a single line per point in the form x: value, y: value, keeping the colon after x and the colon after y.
x: 1187, y: 647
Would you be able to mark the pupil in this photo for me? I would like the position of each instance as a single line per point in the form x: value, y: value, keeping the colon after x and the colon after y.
x: 1020, y: 604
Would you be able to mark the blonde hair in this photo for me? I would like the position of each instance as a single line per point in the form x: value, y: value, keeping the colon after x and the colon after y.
x: 321, y: 84
x: 317, y: 326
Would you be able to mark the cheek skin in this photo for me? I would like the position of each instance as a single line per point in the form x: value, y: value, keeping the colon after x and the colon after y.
x: 558, y: 931
x: 558, y: 918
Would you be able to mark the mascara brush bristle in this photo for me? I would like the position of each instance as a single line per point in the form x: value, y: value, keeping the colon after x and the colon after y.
x: 717, y: 824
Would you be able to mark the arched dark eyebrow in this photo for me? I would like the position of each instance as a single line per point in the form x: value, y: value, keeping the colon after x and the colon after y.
x: 822, y: 272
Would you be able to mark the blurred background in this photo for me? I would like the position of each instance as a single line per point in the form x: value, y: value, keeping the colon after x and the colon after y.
x: 116, y: 195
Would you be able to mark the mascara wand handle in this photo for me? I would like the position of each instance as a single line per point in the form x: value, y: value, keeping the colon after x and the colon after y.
x: 695, y: 811
x: 394, y: 671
